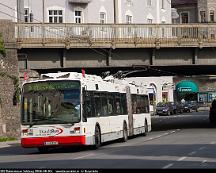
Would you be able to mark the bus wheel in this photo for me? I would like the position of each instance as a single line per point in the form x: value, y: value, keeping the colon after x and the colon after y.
x: 97, y: 138
x: 125, y: 133
x: 43, y: 149
x: 146, y: 128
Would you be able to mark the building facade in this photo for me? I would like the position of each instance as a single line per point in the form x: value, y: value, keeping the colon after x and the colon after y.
x: 8, y: 10
x: 195, y: 11
x: 97, y: 11
x: 160, y: 89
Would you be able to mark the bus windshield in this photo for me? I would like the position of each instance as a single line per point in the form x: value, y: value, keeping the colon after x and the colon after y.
x: 50, y: 102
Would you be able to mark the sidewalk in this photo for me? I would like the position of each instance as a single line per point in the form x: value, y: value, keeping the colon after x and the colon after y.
x: 206, y: 108
x: 9, y: 143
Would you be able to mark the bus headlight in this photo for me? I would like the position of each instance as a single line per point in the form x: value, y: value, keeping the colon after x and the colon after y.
x: 77, y: 130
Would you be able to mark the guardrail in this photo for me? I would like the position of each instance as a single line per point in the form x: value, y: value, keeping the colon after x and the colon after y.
x: 116, y: 36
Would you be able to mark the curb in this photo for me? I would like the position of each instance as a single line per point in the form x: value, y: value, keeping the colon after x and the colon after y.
x: 9, y: 143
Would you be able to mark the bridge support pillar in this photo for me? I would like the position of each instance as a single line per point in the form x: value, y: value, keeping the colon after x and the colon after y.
x: 153, y: 56
x: 195, y: 57
x: 63, y: 58
x: 109, y: 56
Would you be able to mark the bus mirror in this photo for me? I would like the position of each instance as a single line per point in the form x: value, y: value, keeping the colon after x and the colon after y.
x: 84, y: 88
x: 84, y: 117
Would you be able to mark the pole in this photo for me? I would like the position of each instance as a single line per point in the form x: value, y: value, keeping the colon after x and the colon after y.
x: 43, y: 10
x: 114, y: 10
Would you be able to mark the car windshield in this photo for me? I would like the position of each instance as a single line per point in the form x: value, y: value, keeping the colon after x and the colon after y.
x: 161, y: 104
x: 51, y: 102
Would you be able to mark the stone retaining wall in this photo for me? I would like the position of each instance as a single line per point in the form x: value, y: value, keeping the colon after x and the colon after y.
x: 9, y: 113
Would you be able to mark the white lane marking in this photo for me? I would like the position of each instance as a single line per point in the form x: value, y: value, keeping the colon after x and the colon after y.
x: 168, y: 166
x: 4, y: 146
x: 202, y: 148
x: 182, y: 158
x: 81, y: 157
x: 204, y: 161
x: 192, y: 153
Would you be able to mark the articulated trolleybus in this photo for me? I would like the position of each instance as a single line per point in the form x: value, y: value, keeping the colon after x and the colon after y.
x: 69, y: 108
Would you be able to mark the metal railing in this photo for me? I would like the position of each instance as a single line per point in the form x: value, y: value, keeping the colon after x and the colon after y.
x: 120, y: 35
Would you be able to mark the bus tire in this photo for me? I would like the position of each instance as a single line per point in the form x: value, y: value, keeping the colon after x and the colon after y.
x: 97, y: 138
x: 43, y: 149
x: 125, y: 133
x: 146, y: 128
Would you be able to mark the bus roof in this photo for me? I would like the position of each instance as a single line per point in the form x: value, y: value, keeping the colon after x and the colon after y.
x: 90, y: 81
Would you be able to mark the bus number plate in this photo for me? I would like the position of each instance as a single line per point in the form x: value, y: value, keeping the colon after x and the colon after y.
x: 51, y: 143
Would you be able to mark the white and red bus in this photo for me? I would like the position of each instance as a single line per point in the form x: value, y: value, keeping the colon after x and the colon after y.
x: 69, y: 108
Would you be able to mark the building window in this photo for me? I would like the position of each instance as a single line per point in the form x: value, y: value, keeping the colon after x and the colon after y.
x: 211, y: 16
x: 128, y: 19
x: 102, y: 20
x: 163, y: 4
x: 149, y: 21
x: 55, y: 16
x: 129, y: 2
x: 26, y: 15
x: 150, y: 30
x: 184, y: 18
x: 202, y: 16
x: 102, y: 17
x: 149, y: 2
x: 78, y: 16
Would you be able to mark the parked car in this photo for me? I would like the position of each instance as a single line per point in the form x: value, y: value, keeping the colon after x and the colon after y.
x: 179, y: 108
x: 174, y: 106
x: 189, y: 106
x: 164, y: 108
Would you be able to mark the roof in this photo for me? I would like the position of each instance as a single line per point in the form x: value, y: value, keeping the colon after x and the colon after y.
x: 183, y: 2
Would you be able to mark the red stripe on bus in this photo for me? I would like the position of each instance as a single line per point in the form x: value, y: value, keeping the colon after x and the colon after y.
x: 62, y: 140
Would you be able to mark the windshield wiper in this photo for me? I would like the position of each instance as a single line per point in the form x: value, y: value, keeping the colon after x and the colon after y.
x: 61, y: 121
x: 49, y: 119
x: 36, y: 121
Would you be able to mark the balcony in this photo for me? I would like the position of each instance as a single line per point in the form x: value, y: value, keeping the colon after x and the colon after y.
x: 79, y: 1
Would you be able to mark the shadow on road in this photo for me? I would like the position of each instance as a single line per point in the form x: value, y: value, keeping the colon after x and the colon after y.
x: 182, y: 121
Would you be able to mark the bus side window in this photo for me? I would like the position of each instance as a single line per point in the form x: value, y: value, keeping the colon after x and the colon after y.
x: 87, y: 104
x: 97, y: 103
x: 146, y: 103
x: 104, y: 110
x: 123, y: 103
x: 118, y: 105
x: 110, y: 103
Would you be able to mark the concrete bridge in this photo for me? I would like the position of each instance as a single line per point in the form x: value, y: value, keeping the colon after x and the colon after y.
x: 57, y: 46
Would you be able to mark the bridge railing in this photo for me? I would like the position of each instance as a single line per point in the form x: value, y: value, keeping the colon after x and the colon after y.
x: 120, y: 35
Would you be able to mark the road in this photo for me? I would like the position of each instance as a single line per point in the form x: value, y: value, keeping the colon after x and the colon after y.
x: 180, y: 141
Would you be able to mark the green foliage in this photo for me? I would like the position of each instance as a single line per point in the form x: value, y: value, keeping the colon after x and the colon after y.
x: 2, y: 48
x: 4, y: 139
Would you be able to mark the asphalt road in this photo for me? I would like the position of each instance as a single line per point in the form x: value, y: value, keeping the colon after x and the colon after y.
x: 180, y: 141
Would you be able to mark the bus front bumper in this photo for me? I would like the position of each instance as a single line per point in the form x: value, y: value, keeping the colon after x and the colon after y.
x: 50, y: 141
